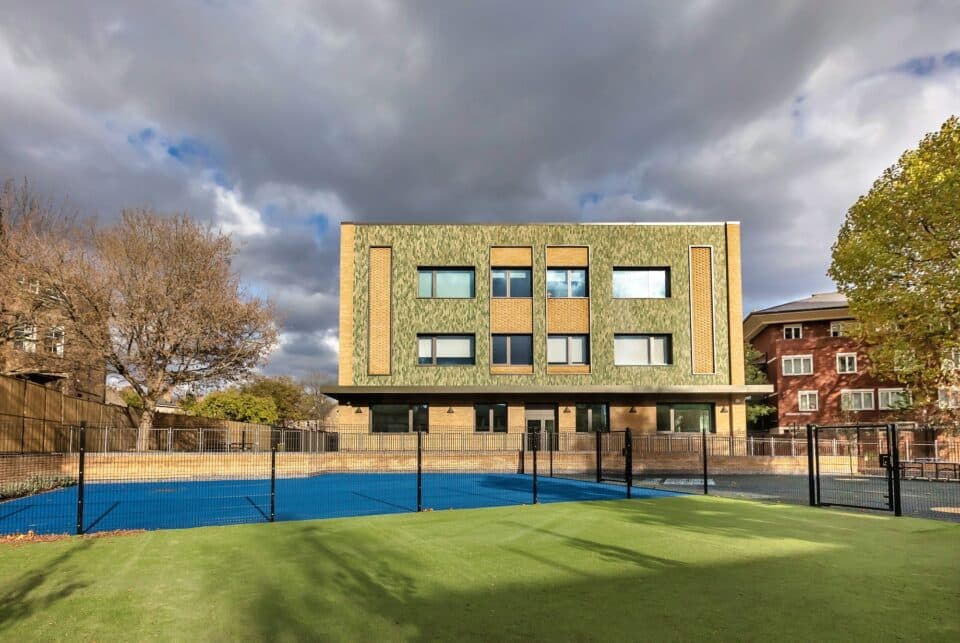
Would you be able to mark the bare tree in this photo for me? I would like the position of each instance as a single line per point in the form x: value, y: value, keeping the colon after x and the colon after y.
x: 315, y: 405
x: 35, y: 335
x: 158, y: 299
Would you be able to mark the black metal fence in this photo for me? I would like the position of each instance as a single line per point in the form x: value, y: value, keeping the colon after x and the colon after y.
x: 196, y: 477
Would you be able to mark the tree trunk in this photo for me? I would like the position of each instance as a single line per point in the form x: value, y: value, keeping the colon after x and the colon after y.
x: 144, y: 427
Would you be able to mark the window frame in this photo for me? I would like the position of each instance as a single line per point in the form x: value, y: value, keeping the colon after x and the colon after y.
x: 901, y: 390
x: 807, y: 393
x: 783, y: 368
x: 668, y: 290
x: 411, y: 414
x: 491, y: 415
x: 844, y: 356
x: 668, y: 352
x: 510, y: 337
x: 25, y: 338
x: 860, y: 391
x: 837, y: 329
x: 711, y: 415
x: 57, y: 334
x: 796, y: 327
x: 509, y: 269
x: 589, y: 409
x: 569, y: 281
x: 433, y: 280
x: 569, y: 337
x: 433, y: 348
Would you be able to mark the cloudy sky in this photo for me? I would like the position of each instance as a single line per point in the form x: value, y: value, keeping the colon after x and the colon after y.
x: 278, y: 120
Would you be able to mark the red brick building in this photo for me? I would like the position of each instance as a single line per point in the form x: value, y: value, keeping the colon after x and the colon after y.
x: 819, y: 374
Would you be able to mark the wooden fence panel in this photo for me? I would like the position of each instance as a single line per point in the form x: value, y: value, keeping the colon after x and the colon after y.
x: 11, y: 396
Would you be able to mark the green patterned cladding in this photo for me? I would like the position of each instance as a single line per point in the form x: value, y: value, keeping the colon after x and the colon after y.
x: 610, y: 246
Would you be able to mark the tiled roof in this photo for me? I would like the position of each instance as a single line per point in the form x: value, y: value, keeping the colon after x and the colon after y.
x: 819, y: 301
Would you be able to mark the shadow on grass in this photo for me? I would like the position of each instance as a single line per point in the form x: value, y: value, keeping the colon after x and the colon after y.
x: 38, y: 589
x: 596, y: 584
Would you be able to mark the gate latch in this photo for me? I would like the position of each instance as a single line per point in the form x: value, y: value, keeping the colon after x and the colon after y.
x: 885, y: 460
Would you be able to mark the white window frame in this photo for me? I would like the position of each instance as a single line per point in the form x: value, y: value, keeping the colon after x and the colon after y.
x: 844, y: 393
x: 25, y: 338
x: 841, y: 357
x: 807, y: 393
x: 507, y: 271
x: 667, y: 352
x: 567, y: 352
x: 646, y: 271
x: 434, y: 338
x: 569, y: 283
x: 54, y: 339
x: 792, y: 358
x: 948, y: 397
x: 435, y: 270
x: 887, y: 407
x: 837, y: 329
x: 796, y: 327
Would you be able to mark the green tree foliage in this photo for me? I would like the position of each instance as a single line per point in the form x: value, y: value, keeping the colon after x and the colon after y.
x: 233, y: 404
x: 287, y: 395
x: 756, y: 409
x: 897, y: 259
x: 131, y: 399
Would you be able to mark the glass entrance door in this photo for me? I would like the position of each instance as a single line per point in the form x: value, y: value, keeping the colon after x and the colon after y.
x: 541, y: 428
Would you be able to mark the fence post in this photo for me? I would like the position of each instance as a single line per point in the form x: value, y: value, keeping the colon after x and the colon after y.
x: 895, y: 463
x: 703, y: 447
x: 599, y: 461
x: 80, y: 477
x: 628, y: 461
x: 419, y: 471
x: 273, y: 483
x: 810, y: 447
x: 535, y: 448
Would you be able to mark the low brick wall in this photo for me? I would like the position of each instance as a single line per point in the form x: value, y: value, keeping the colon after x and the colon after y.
x: 103, y: 467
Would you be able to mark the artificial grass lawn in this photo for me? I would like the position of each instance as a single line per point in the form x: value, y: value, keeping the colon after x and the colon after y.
x: 686, y: 568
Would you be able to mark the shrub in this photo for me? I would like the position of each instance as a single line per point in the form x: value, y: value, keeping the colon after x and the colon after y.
x: 34, y: 485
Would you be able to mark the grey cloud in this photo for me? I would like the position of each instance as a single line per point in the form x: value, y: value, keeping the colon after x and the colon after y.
x: 495, y: 110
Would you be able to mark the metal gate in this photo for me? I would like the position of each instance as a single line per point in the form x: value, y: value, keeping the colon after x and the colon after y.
x: 854, y: 465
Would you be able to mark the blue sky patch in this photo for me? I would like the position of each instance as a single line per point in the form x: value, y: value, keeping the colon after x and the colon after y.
x: 590, y: 198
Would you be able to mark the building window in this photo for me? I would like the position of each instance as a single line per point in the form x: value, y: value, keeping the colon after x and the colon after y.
x: 593, y: 418
x: 568, y: 349
x: 445, y: 350
x: 807, y: 401
x: 642, y: 350
x: 892, y: 399
x: 798, y: 365
x: 490, y: 418
x: 25, y: 338
x: 445, y: 283
x: 856, y: 399
x: 398, y: 418
x: 838, y: 329
x: 793, y: 331
x: 948, y: 398
x: 685, y: 418
x: 641, y: 283
x: 511, y: 282
x: 951, y: 359
x: 53, y: 341
x: 566, y: 282
x: 846, y: 363
x: 512, y: 350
